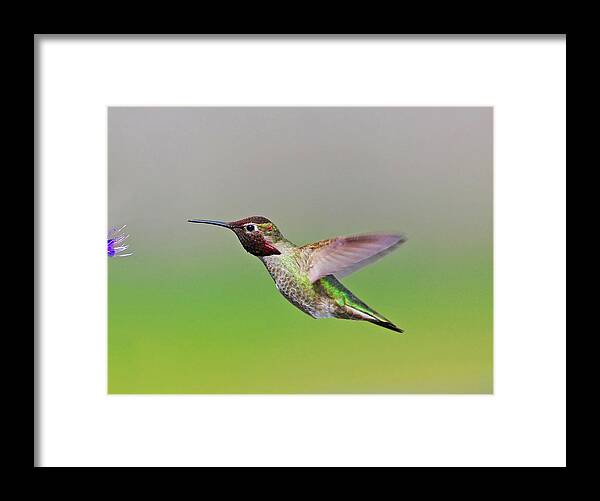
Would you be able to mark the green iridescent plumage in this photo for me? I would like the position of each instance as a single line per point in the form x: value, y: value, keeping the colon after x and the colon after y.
x: 307, y: 275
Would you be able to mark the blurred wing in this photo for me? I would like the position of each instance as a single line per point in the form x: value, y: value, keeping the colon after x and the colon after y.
x: 344, y: 255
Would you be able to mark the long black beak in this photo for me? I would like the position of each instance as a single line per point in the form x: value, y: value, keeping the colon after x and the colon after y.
x: 209, y: 221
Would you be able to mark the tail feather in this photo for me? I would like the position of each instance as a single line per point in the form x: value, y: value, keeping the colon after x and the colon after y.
x: 363, y: 312
x: 353, y: 308
x: 387, y: 325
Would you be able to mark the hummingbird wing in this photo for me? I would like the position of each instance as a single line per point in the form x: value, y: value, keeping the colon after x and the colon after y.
x: 344, y: 255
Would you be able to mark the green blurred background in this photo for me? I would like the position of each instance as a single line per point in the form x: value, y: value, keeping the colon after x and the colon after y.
x: 192, y: 312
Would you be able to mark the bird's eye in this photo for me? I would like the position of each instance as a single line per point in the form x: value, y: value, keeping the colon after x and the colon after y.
x: 250, y: 227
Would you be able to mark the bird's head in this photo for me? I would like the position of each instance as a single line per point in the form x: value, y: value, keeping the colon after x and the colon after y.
x: 257, y: 234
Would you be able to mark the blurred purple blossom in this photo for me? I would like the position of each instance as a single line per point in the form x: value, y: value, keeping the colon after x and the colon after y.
x: 115, y: 242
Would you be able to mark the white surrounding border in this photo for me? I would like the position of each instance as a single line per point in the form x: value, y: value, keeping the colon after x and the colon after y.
x: 522, y: 424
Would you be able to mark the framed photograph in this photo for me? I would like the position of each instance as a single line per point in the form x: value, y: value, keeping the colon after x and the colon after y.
x: 319, y: 251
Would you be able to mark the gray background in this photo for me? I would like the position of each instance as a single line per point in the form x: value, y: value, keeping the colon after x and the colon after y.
x: 314, y: 171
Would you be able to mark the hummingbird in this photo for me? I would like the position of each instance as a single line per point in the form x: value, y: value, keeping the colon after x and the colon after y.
x: 307, y: 276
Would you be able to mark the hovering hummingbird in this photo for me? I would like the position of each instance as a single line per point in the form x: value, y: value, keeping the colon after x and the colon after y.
x: 306, y: 275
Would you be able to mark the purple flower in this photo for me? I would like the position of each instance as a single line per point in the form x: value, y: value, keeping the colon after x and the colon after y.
x: 115, y: 241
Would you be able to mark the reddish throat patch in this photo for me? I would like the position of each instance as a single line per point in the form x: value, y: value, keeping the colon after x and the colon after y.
x: 269, y: 250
